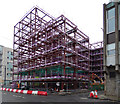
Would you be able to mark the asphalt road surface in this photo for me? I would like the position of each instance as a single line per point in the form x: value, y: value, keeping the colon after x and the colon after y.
x: 17, y: 97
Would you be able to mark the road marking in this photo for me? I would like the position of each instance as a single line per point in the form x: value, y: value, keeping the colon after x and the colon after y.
x: 43, y: 101
x: 19, y: 96
x: 83, y: 98
x: 16, y: 96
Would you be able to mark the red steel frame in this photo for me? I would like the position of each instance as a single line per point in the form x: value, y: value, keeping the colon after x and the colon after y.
x: 96, y: 58
x: 41, y: 41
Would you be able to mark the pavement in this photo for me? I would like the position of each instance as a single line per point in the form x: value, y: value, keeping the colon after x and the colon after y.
x: 104, y: 97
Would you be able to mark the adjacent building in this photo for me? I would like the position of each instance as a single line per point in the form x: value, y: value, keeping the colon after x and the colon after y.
x: 6, y: 65
x: 112, y: 49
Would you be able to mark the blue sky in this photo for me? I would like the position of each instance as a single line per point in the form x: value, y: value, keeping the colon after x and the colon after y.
x: 86, y: 14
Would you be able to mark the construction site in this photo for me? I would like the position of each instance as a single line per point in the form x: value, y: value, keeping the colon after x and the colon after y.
x: 53, y: 53
x: 96, y: 59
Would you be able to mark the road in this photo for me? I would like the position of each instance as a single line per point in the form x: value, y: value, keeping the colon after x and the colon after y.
x: 17, y: 97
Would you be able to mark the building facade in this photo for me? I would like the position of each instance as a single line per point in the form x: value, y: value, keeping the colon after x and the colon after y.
x: 6, y: 65
x: 112, y: 49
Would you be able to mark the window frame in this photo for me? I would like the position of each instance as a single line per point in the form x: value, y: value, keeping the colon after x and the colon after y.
x: 109, y: 51
x: 108, y: 19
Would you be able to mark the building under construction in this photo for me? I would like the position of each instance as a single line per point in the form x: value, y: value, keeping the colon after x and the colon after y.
x: 96, y: 59
x: 50, y: 52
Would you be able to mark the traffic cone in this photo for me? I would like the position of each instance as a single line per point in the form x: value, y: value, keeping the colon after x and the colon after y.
x: 92, y: 94
x: 96, y: 96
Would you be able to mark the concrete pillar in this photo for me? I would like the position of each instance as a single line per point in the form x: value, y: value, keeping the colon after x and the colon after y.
x: 104, y: 37
x: 104, y: 45
x: 116, y: 38
x: 118, y: 85
x: 117, y: 51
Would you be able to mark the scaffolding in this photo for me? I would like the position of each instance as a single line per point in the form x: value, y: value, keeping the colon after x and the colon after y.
x: 49, y: 49
x: 96, y: 59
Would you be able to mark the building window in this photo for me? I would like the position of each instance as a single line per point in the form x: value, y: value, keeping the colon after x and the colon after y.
x: 11, y: 58
x: 111, y: 52
x: 111, y: 20
x: 8, y: 75
x: 111, y: 38
x: 112, y: 74
x: 11, y: 53
x: 11, y: 69
x: 0, y: 73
